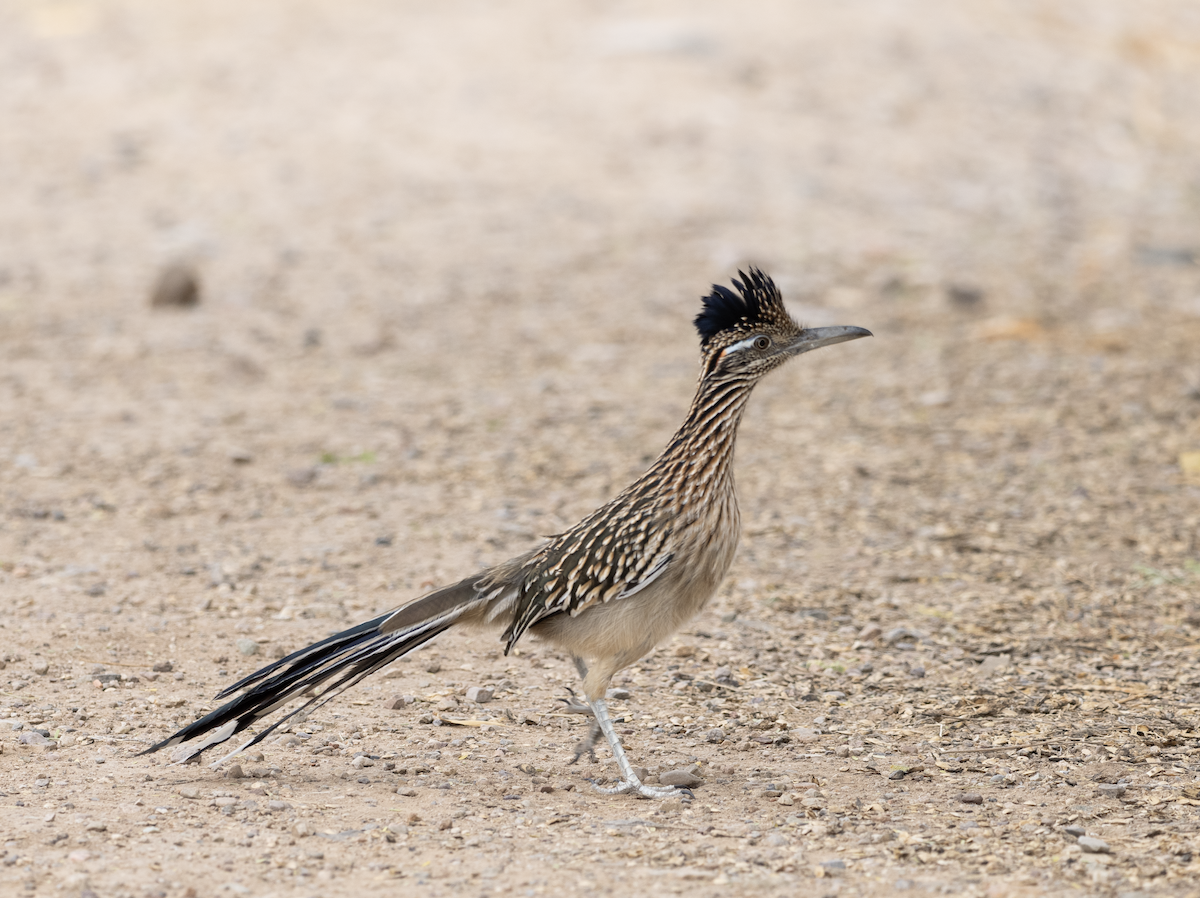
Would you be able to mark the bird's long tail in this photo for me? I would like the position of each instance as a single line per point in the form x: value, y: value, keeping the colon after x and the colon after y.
x: 323, y: 670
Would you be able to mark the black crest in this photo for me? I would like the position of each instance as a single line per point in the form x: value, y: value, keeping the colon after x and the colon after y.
x: 756, y: 303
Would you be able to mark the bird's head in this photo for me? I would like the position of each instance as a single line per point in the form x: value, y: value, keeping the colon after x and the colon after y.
x: 745, y: 334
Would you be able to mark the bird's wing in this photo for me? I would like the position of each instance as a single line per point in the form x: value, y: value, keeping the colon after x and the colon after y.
x: 605, y: 558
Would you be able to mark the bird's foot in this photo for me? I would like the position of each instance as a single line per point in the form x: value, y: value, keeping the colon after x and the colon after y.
x: 637, y: 787
x: 585, y: 748
x: 574, y: 705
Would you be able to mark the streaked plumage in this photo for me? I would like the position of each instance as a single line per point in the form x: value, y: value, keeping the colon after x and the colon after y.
x: 607, y: 590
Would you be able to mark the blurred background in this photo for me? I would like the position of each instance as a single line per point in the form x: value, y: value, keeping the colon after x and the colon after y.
x: 382, y: 158
x: 443, y: 259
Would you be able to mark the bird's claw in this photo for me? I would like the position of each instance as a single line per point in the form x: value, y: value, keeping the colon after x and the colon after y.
x: 589, y: 750
x: 645, y: 791
x: 574, y: 705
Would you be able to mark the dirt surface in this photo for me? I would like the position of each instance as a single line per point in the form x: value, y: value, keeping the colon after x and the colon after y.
x: 447, y: 257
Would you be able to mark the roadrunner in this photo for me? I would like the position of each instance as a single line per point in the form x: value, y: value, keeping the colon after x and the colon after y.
x: 608, y: 590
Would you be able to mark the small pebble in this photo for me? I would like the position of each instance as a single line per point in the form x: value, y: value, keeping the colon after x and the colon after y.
x: 479, y: 694
x: 278, y: 806
x: 234, y: 773
x: 715, y: 735
x: 433, y: 667
x: 833, y: 866
x: 1112, y: 790
x: 301, y: 829
x: 33, y: 737
x: 618, y: 693
x: 870, y: 632
x: 1092, y: 845
x: 40, y: 666
x: 396, y: 702
x: 189, y: 791
x: 247, y: 647
x: 362, y: 761
x: 971, y: 798
x: 178, y: 287
x: 163, y: 667
x: 1075, y: 831
x: 96, y: 827
x: 776, y: 840
x: 225, y: 801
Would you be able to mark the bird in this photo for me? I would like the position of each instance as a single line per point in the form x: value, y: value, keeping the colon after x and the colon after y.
x: 607, y: 590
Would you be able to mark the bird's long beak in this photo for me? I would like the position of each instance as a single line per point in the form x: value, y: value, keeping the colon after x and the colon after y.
x: 816, y: 337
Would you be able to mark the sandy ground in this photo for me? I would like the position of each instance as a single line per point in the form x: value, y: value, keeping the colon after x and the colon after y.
x: 449, y: 254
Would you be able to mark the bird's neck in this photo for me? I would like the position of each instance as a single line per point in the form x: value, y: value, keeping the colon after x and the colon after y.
x: 704, y: 442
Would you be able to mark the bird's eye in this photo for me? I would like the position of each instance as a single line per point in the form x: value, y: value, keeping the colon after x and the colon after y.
x: 762, y: 342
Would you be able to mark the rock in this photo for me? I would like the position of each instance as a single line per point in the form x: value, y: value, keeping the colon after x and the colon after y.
x: 715, y: 735
x: 234, y: 772
x: 177, y: 287
x: 301, y: 829
x: 96, y: 827
x: 362, y: 761
x: 1092, y: 845
x: 40, y: 666
x: 684, y: 777
x: 163, y: 667
x: 723, y: 676
x: 479, y: 694
x: 618, y: 693
x: 832, y: 868
x: 1111, y: 790
x: 225, y: 801
x: 775, y: 840
x: 900, y: 634
x: 240, y: 455
x: 1075, y: 831
x: 971, y: 798
x: 275, y: 806
x: 397, y: 702
x: 870, y: 632
x: 994, y: 664
x: 79, y: 856
x: 247, y: 647
x: 189, y: 792
x: 433, y: 666
x: 33, y: 737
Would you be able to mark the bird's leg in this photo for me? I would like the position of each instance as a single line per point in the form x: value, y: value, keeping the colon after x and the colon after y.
x: 630, y: 781
x: 588, y: 745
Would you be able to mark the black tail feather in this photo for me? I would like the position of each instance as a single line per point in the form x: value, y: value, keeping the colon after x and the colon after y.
x: 322, y: 670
